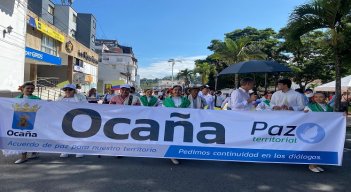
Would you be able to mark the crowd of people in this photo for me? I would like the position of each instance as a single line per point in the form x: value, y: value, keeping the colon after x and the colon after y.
x: 241, y: 99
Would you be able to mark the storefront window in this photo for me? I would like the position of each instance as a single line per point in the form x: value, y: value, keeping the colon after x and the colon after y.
x: 48, y: 45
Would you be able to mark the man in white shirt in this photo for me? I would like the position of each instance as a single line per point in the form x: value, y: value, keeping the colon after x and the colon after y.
x: 240, y: 99
x: 286, y: 98
x: 205, y: 94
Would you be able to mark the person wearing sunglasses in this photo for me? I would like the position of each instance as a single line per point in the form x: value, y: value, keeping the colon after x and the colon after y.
x: 71, y: 95
x: 27, y: 90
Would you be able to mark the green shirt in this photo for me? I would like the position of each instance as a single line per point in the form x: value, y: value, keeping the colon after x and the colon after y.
x: 145, y: 102
x: 29, y: 97
x: 168, y: 102
x: 315, y: 107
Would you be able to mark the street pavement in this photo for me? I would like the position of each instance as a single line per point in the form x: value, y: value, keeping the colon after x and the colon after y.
x: 90, y: 174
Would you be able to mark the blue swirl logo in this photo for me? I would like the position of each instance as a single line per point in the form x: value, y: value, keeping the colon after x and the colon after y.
x: 310, y: 133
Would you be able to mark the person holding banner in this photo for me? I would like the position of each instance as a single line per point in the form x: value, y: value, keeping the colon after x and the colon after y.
x: 319, y: 105
x: 176, y: 101
x: 71, y: 95
x: 108, y: 96
x: 241, y: 99
x: 125, y: 98
x: 93, y: 96
x: 149, y: 100
x: 265, y: 104
x: 196, y: 102
x: 27, y: 90
x: 286, y: 98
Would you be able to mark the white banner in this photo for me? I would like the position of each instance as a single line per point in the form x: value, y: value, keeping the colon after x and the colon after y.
x: 275, y: 137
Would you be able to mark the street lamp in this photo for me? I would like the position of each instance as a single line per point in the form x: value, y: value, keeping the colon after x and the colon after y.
x: 172, y: 61
x: 216, y: 81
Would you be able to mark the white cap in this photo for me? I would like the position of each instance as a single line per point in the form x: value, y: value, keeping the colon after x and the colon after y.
x: 72, y: 86
x: 125, y: 86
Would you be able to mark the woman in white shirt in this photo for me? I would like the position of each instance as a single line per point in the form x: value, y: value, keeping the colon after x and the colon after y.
x: 71, y: 96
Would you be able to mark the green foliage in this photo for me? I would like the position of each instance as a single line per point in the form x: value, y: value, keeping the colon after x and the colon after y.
x: 204, y: 69
x: 330, y: 15
x: 187, y: 75
x: 310, y: 58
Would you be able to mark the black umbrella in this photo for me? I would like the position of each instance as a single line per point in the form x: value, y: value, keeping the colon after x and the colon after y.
x: 255, y: 66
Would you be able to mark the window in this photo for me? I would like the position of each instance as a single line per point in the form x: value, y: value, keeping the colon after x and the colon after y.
x: 74, y: 18
x: 48, y: 45
x: 78, y: 62
x: 106, y: 58
x: 93, y: 38
x: 51, y: 10
x: 94, y: 24
x: 73, y: 33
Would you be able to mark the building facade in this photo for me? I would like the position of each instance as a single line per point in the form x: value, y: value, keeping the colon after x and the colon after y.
x: 43, y: 8
x: 12, y: 44
x: 86, y: 29
x: 53, y: 57
x: 65, y: 19
x: 116, y: 63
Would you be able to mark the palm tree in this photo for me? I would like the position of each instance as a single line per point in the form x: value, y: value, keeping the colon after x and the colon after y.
x: 323, y: 14
x: 243, y: 49
x: 186, y: 74
x: 204, y: 69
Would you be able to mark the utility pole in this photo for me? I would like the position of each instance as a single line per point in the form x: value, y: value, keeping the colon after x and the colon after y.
x: 172, y: 61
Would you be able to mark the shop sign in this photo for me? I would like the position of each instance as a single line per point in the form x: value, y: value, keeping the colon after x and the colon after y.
x: 41, y: 56
x: 46, y: 29
x: 87, y: 57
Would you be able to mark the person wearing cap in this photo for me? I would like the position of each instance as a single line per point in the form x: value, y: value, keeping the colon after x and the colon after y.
x: 27, y: 90
x: 176, y: 100
x: 240, y: 99
x: 319, y: 105
x: 149, y: 100
x: 71, y: 95
x: 125, y: 98
x: 286, y: 98
x: 205, y: 94
x: 196, y: 102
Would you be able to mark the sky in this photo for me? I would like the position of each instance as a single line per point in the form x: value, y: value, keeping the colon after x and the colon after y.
x: 159, y: 30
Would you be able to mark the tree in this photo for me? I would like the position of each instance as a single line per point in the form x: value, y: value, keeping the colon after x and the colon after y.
x: 204, y: 69
x: 256, y: 44
x: 186, y: 74
x: 234, y: 51
x: 309, y: 58
x: 331, y: 15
